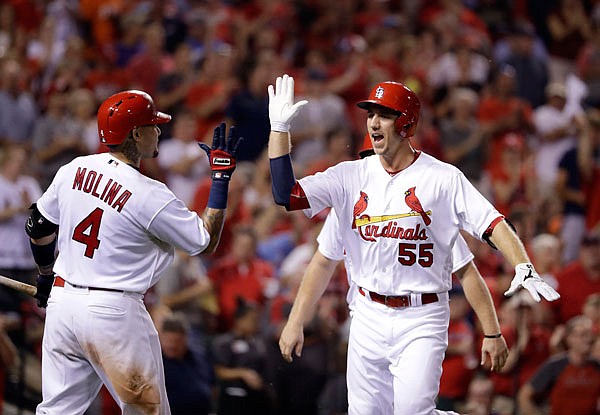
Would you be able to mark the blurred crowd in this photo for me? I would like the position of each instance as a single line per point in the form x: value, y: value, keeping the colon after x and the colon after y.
x: 510, y: 94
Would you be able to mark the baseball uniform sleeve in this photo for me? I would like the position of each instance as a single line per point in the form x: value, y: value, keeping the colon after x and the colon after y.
x: 325, y: 189
x: 174, y: 223
x: 330, y: 239
x: 47, y: 204
x: 461, y: 254
x: 475, y: 213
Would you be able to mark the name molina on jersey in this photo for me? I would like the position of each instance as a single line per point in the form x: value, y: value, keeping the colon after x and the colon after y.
x: 111, y: 193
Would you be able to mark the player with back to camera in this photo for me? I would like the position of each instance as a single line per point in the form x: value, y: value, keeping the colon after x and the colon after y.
x: 118, y: 231
x: 399, y: 214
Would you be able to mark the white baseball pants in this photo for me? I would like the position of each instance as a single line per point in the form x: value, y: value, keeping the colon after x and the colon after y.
x: 93, y: 337
x: 395, y: 357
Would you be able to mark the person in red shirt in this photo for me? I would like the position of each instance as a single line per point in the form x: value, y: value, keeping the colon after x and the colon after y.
x: 528, y: 342
x: 513, y: 180
x: 578, y: 279
x: 570, y: 382
x: 460, y: 361
x: 501, y: 111
x: 240, y: 274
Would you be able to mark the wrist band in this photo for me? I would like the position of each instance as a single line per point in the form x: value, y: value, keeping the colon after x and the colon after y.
x: 492, y: 336
x: 217, y: 198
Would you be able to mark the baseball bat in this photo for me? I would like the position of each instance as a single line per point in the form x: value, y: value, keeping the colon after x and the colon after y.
x: 18, y: 285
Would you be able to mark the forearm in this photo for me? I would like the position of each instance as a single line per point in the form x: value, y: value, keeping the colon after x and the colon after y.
x: 313, y: 285
x: 213, y: 222
x: 279, y: 144
x: 186, y: 295
x: 229, y: 373
x: 43, y: 253
x: 509, y: 243
x: 479, y: 297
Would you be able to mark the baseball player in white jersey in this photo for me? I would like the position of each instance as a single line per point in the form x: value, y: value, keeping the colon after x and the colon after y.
x: 118, y: 230
x: 399, y: 214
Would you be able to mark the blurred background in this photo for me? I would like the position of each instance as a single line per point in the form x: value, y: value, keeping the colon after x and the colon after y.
x: 510, y: 93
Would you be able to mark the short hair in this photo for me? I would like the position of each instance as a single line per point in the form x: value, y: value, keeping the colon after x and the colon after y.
x: 175, y: 323
x: 544, y: 240
x: 576, y: 321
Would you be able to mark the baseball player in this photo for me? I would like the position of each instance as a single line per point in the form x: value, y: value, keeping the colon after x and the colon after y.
x: 399, y: 214
x: 118, y: 230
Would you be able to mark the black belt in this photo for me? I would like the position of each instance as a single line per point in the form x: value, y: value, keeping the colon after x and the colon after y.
x: 60, y: 282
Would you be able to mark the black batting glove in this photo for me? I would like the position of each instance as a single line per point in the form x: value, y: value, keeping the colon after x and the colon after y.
x: 223, y: 152
x: 44, y: 284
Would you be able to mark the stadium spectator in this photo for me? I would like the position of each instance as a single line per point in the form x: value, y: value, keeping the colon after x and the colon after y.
x: 240, y: 274
x: 183, y: 165
x: 189, y: 376
x: 569, y: 382
x: 240, y: 364
x: 578, y: 279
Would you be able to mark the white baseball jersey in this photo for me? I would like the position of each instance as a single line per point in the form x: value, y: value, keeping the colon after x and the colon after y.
x: 117, y: 226
x: 331, y: 246
x: 391, y: 248
x: 16, y: 253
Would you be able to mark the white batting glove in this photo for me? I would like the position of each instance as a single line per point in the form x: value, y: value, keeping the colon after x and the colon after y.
x: 282, y: 109
x: 528, y: 278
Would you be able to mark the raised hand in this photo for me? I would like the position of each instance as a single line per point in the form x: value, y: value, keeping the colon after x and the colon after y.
x: 282, y: 109
x: 222, y: 154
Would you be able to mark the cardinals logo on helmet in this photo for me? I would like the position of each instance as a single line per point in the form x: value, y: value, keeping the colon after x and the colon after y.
x: 379, y: 92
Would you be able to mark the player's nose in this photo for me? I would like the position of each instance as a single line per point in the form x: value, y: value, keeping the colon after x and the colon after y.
x: 374, y: 122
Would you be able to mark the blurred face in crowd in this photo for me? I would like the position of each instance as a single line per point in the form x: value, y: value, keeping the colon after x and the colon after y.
x: 580, y: 337
x: 13, y: 162
x: 174, y: 344
x: 244, y: 246
x: 248, y: 324
x: 590, y: 256
x: 185, y: 128
x: 591, y: 307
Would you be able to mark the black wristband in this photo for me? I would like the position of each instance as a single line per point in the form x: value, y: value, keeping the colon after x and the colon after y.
x: 492, y: 336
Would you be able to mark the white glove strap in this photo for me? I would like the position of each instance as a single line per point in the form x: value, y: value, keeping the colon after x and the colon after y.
x: 280, y: 126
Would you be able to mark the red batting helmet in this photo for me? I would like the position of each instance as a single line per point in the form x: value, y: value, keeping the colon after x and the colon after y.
x: 400, y: 98
x: 122, y: 112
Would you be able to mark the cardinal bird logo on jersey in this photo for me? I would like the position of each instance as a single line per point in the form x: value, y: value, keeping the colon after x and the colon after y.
x: 360, y: 207
x: 412, y: 201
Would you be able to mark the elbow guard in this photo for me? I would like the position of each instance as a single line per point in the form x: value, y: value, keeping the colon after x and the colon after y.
x: 283, y: 180
x: 37, y: 226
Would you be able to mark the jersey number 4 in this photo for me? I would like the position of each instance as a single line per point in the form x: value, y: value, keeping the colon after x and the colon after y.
x: 89, y: 239
x: 408, y: 254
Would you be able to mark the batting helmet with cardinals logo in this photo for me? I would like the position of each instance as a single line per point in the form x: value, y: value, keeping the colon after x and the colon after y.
x: 122, y: 112
x: 400, y: 98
